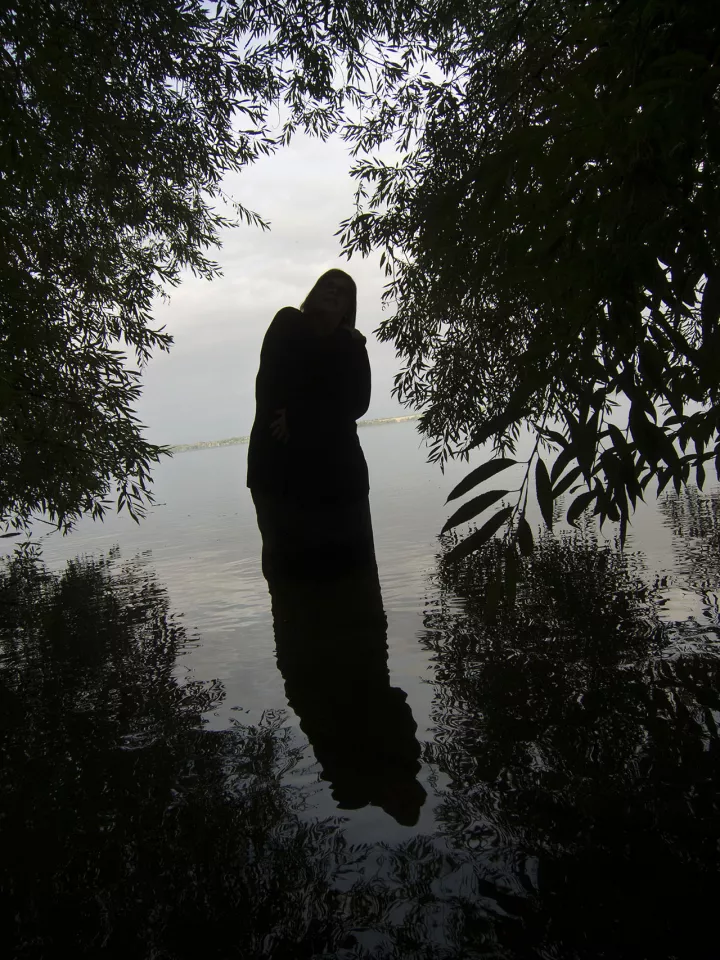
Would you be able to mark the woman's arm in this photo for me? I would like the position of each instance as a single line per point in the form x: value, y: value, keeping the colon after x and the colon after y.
x: 356, y: 383
x: 307, y: 382
x: 275, y: 381
x: 329, y: 384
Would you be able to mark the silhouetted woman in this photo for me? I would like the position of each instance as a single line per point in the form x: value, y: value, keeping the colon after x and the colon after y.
x: 306, y: 470
x: 309, y: 483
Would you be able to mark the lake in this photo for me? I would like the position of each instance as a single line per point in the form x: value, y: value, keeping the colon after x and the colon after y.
x: 533, y: 774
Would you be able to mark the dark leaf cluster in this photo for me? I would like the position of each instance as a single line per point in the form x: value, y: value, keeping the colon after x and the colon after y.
x: 550, y: 232
x: 118, y: 123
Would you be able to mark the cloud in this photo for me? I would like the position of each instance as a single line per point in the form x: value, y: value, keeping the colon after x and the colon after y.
x: 204, y: 389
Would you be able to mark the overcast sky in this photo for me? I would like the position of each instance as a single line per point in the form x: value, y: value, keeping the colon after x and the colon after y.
x: 203, y: 389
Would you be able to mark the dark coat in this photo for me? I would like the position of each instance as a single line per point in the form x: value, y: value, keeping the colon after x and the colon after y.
x: 324, y: 385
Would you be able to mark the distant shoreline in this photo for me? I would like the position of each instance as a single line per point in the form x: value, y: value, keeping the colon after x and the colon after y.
x: 234, y: 441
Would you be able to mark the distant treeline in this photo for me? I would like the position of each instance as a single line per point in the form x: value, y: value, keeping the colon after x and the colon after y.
x: 233, y: 441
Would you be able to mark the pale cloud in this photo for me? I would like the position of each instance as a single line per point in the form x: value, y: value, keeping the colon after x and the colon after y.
x: 204, y: 388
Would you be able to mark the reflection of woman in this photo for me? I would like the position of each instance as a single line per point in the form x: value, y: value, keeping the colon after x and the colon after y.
x: 331, y: 641
x: 306, y: 470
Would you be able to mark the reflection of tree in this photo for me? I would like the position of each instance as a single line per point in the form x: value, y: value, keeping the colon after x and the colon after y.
x: 582, y: 815
x: 127, y: 830
x: 583, y: 750
x: 126, y: 827
x: 695, y: 520
x: 694, y: 515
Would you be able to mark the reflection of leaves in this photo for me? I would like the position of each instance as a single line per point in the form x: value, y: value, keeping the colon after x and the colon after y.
x: 479, y: 537
x: 695, y: 521
x: 100, y: 736
x: 577, y: 736
x: 140, y: 831
x: 180, y: 830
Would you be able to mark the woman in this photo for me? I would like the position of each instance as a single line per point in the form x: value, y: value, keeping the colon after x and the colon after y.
x: 306, y: 470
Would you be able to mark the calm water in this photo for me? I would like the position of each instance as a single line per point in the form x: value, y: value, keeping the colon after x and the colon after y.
x: 559, y: 747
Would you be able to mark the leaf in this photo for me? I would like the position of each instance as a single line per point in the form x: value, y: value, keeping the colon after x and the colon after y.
x: 566, y: 456
x: 640, y: 400
x: 543, y: 488
x: 611, y: 511
x: 652, y: 441
x: 492, y: 598
x: 580, y: 505
x: 710, y: 309
x: 473, y: 507
x: 476, y: 476
x: 652, y: 361
x: 525, y: 537
x: 494, y: 425
x: 619, y: 441
x: 567, y: 481
x: 584, y: 436
x: 553, y: 435
x: 510, y: 577
x: 664, y: 479
x: 479, y: 537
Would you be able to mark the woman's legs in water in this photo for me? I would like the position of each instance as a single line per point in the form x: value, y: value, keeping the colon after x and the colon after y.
x: 311, y: 540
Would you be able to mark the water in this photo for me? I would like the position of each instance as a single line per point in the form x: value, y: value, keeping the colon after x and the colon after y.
x: 161, y: 797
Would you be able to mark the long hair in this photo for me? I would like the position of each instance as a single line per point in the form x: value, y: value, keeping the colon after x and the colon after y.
x: 352, y: 311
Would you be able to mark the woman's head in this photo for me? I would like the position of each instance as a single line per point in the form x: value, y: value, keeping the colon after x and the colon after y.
x: 334, y: 298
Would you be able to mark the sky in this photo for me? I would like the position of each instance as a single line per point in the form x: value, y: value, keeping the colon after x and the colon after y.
x: 203, y: 389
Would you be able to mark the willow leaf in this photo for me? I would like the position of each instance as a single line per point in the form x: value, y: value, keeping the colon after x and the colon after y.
x: 479, y: 537
x: 543, y: 488
x: 473, y: 507
x: 525, y: 537
x: 479, y: 474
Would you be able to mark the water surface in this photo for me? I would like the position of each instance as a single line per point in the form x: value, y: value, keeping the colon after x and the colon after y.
x: 161, y: 796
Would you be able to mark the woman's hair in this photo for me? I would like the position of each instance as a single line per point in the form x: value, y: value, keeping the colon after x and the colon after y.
x: 352, y: 311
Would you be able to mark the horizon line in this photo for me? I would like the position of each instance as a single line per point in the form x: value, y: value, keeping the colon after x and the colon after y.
x: 235, y: 441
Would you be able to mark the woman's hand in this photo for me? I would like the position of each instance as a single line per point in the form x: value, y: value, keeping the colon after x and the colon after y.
x: 279, y: 427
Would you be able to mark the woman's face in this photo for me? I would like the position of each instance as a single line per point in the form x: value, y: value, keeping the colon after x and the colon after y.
x: 333, y: 296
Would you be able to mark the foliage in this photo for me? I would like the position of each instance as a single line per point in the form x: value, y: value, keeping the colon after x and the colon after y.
x: 695, y: 520
x: 124, y: 823
x: 551, y: 236
x: 128, y: 829
x: 575, y: 725
x: 116, y: 128
x: 117, y: 125
x: 549, y: 227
